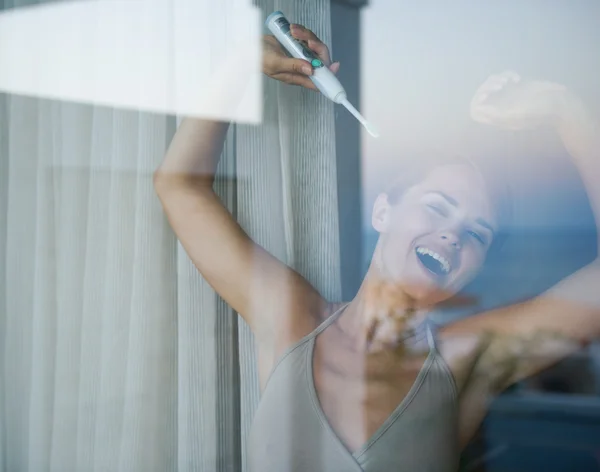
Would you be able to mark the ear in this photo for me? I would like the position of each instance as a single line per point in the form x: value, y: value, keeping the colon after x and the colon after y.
x: 381, y: 216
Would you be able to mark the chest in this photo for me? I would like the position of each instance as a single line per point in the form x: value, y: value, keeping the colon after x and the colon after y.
x: 357, y: 395
x: 325, y: 408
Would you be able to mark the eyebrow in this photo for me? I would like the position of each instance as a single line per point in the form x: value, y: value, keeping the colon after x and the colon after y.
x: 454, y: 203
x: 446, y: 197
x: 485, y: 224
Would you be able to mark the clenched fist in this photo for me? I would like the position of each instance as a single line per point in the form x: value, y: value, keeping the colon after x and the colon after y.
x: 277, y: 65
x: 507, y: 101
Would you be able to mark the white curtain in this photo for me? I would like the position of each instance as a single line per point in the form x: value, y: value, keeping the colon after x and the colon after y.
x: 115, y: 354
x: 89, y: 326
x: 285, y: 197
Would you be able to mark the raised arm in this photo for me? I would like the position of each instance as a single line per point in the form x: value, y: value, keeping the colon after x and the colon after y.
x: 525, y: 338
x: 528, y: 104
x: 570, y: 309
x: 266, y: 293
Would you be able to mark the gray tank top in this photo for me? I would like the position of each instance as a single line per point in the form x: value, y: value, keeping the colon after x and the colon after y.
x: 290, y: 432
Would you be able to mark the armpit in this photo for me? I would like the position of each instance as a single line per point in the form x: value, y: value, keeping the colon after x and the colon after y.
x: 509, y: 358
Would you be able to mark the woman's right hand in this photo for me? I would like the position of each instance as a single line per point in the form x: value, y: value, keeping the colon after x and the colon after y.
x: 277, y: 65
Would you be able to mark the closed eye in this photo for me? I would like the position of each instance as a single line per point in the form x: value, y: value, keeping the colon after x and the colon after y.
x: 437, y: 209
x: 476, y: 236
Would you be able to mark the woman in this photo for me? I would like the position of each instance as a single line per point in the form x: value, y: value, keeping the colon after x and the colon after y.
x: 367, y: 385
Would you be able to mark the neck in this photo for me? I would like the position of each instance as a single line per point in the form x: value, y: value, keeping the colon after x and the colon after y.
x: 381, y: 317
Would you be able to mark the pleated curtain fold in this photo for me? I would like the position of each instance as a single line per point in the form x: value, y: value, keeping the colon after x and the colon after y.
x: 115, y: 354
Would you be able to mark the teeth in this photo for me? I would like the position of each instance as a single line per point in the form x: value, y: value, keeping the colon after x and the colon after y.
x: 441, y: 259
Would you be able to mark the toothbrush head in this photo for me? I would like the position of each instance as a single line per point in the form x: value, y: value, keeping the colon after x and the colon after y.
x: 371, y: 129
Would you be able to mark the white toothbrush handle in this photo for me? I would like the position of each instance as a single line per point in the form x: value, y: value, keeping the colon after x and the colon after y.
x: 328, y: 84
x: 322, y: 77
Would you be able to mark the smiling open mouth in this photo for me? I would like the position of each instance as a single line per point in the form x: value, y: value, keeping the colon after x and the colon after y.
x: 433, y: 262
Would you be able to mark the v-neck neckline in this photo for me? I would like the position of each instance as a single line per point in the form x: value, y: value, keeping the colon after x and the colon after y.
x: 389, y: 421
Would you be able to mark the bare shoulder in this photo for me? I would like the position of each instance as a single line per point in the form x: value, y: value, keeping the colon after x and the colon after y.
x: 299, y: 324
x: 294, y: 326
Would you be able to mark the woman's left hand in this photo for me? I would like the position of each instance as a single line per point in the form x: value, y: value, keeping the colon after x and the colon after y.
x: 507, y: 101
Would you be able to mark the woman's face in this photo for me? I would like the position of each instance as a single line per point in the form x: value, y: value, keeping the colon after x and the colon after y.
x: 435, y: 239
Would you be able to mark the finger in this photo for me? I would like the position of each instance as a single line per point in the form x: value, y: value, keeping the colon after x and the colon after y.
x: 314, y: 43
x: 291, y: 66
x: 496, y: 83
x: 478, y: 99
x: 303, y: 33
x: 493, y: 84
x: 483, y: 114
x: 295, y: 79
x: 511, y: 75
x: 335, y: 67
x: 484, y: 91
x: 321, y: 50
x: 551, y: 87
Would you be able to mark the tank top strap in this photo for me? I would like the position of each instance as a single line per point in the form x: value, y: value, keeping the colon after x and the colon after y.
x: 306, y: 340
x: 328, y: 321
x: 431, y: 341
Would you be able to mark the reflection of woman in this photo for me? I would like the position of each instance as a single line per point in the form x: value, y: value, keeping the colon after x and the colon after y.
x: 350, y: 387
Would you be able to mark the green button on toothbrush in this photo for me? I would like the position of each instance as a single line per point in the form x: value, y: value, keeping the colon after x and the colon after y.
x: 316, y: 63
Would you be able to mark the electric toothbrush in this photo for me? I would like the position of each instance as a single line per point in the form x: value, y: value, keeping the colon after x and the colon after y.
x: 325, y: 80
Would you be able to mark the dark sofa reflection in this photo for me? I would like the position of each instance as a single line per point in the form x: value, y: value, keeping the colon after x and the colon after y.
x: 549, y: 423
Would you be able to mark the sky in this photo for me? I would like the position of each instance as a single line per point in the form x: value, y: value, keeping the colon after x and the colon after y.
x: 421, y: 64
